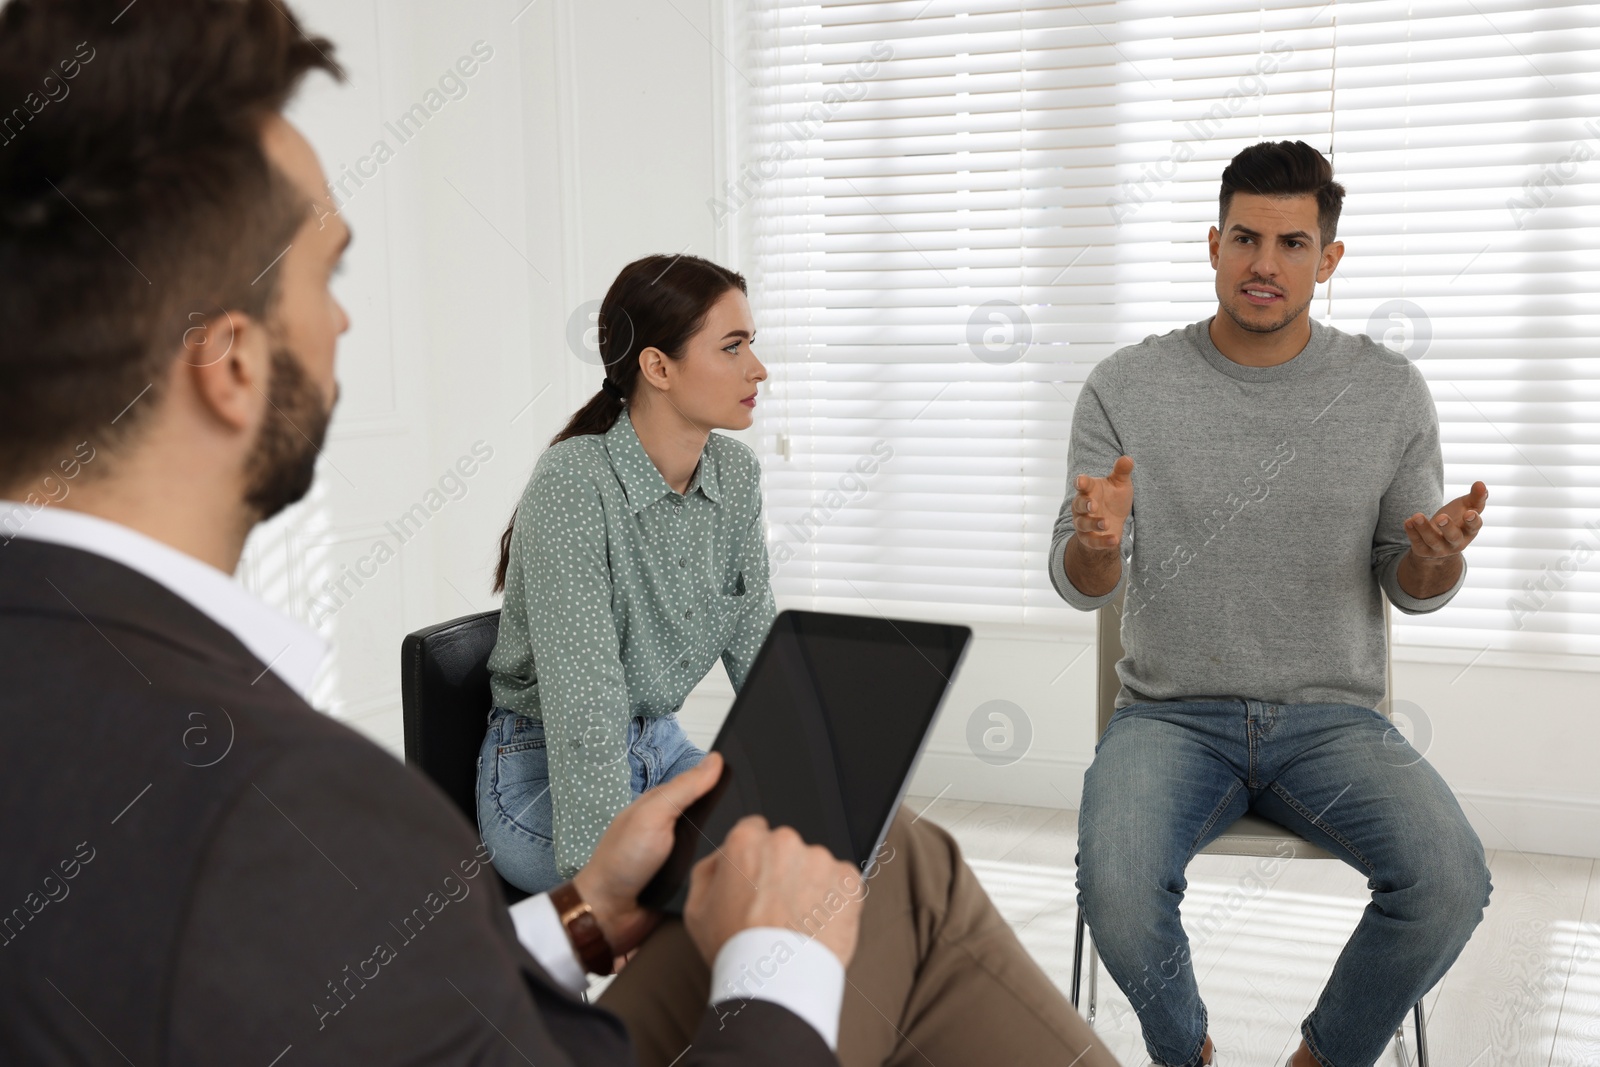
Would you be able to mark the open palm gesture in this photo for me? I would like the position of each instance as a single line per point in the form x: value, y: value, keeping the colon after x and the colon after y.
x: 1452, y: 528
x: 1102, y: 505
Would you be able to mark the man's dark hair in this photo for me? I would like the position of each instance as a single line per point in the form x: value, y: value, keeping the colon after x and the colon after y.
x: 1284, y: 168
x: 136, y: 201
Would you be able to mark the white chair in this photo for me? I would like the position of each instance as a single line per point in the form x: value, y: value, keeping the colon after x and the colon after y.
x: 1251, y: 836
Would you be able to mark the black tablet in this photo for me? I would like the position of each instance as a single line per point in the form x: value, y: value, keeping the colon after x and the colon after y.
x: 823, y: 737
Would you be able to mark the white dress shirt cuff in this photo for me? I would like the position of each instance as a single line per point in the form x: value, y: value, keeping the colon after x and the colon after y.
x: 789, y: 969
x: 541, y: 933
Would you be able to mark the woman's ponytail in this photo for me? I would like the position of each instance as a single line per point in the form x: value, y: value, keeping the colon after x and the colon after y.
x: 596, y: 416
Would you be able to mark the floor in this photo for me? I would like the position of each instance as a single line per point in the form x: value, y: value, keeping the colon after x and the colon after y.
x: 1524, y: 993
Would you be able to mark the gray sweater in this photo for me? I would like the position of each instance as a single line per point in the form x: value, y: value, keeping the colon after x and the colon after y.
x: 1268, y: 507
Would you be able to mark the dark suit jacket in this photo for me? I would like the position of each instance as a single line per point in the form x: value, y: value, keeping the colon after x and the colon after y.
x: 198, y: 868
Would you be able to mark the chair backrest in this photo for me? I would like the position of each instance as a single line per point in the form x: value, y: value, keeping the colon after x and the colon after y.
x: 444, y: 695
x: 1108, y: 638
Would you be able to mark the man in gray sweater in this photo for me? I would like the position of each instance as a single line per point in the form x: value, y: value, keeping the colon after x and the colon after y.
x: 1256, y: 483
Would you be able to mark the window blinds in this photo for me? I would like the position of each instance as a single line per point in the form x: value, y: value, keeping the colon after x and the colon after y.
x: 950, y: 211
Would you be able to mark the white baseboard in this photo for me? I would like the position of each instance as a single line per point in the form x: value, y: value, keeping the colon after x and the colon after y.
x: 1560, y: 824
x: 1524, y: 822
x: 1531, y: 822
x: 1039, y: 780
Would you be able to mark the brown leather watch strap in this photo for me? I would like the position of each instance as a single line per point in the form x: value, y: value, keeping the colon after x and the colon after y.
x: 590, y: 944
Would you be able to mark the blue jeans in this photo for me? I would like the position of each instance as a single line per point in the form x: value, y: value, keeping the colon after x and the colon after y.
x: 1168, y: 778
x: 514, y: 813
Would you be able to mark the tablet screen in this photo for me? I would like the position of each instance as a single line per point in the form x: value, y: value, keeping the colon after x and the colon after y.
x: 823, y: 737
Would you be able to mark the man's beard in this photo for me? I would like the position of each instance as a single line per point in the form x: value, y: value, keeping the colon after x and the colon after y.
x: 280, y: 467
x: 1251, y: 327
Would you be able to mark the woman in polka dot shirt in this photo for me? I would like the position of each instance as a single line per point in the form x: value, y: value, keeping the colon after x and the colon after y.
x: 635, y: 559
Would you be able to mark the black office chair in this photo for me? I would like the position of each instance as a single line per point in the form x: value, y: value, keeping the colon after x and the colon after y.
x: 444, y: 694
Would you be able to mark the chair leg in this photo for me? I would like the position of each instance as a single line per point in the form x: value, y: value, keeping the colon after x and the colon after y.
x: 1094, y: 979
x: 1422, y: 1038
x: 1077, y: 958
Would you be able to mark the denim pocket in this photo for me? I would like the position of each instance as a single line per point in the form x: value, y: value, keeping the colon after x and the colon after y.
x: 1119, y: 713
x: 520, y: 758
x: 671, y: 751
x: 519, y: 746
x: 522, y: 789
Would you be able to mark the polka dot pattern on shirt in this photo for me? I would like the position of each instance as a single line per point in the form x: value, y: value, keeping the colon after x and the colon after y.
x: 621, y: 594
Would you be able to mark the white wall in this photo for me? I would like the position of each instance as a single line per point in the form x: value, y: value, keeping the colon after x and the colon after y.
x: 477, y: 238
x: 595, y: 135
x: 450, y: 333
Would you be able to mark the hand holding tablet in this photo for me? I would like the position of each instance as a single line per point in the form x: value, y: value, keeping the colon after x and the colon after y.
x: 823, y: 738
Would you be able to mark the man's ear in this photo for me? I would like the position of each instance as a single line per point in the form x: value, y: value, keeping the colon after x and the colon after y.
x: 1331, y: 255
x: 227, y: 358
x: 1214, y: 240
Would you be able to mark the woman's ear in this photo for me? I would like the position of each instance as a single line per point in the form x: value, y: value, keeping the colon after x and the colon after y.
x: 653, y: 368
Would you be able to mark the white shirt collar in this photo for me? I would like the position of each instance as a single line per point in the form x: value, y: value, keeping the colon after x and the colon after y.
x: 290, y: 650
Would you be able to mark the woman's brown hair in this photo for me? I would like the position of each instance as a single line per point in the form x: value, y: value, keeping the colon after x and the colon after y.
x: 656, y: 302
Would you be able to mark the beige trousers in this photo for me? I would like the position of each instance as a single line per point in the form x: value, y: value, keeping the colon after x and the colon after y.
x: 938, y: 976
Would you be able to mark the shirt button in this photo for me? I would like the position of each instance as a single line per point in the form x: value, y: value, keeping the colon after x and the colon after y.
x: 688, y: 613
x: 683, y: 663
x: 682, y: 562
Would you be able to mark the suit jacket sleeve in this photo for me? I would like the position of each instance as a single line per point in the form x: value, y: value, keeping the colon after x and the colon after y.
x: 342, y: 912
x: 343, y: 909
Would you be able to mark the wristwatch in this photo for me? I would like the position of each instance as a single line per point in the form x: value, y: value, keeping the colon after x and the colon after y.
x: 588, y: 942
